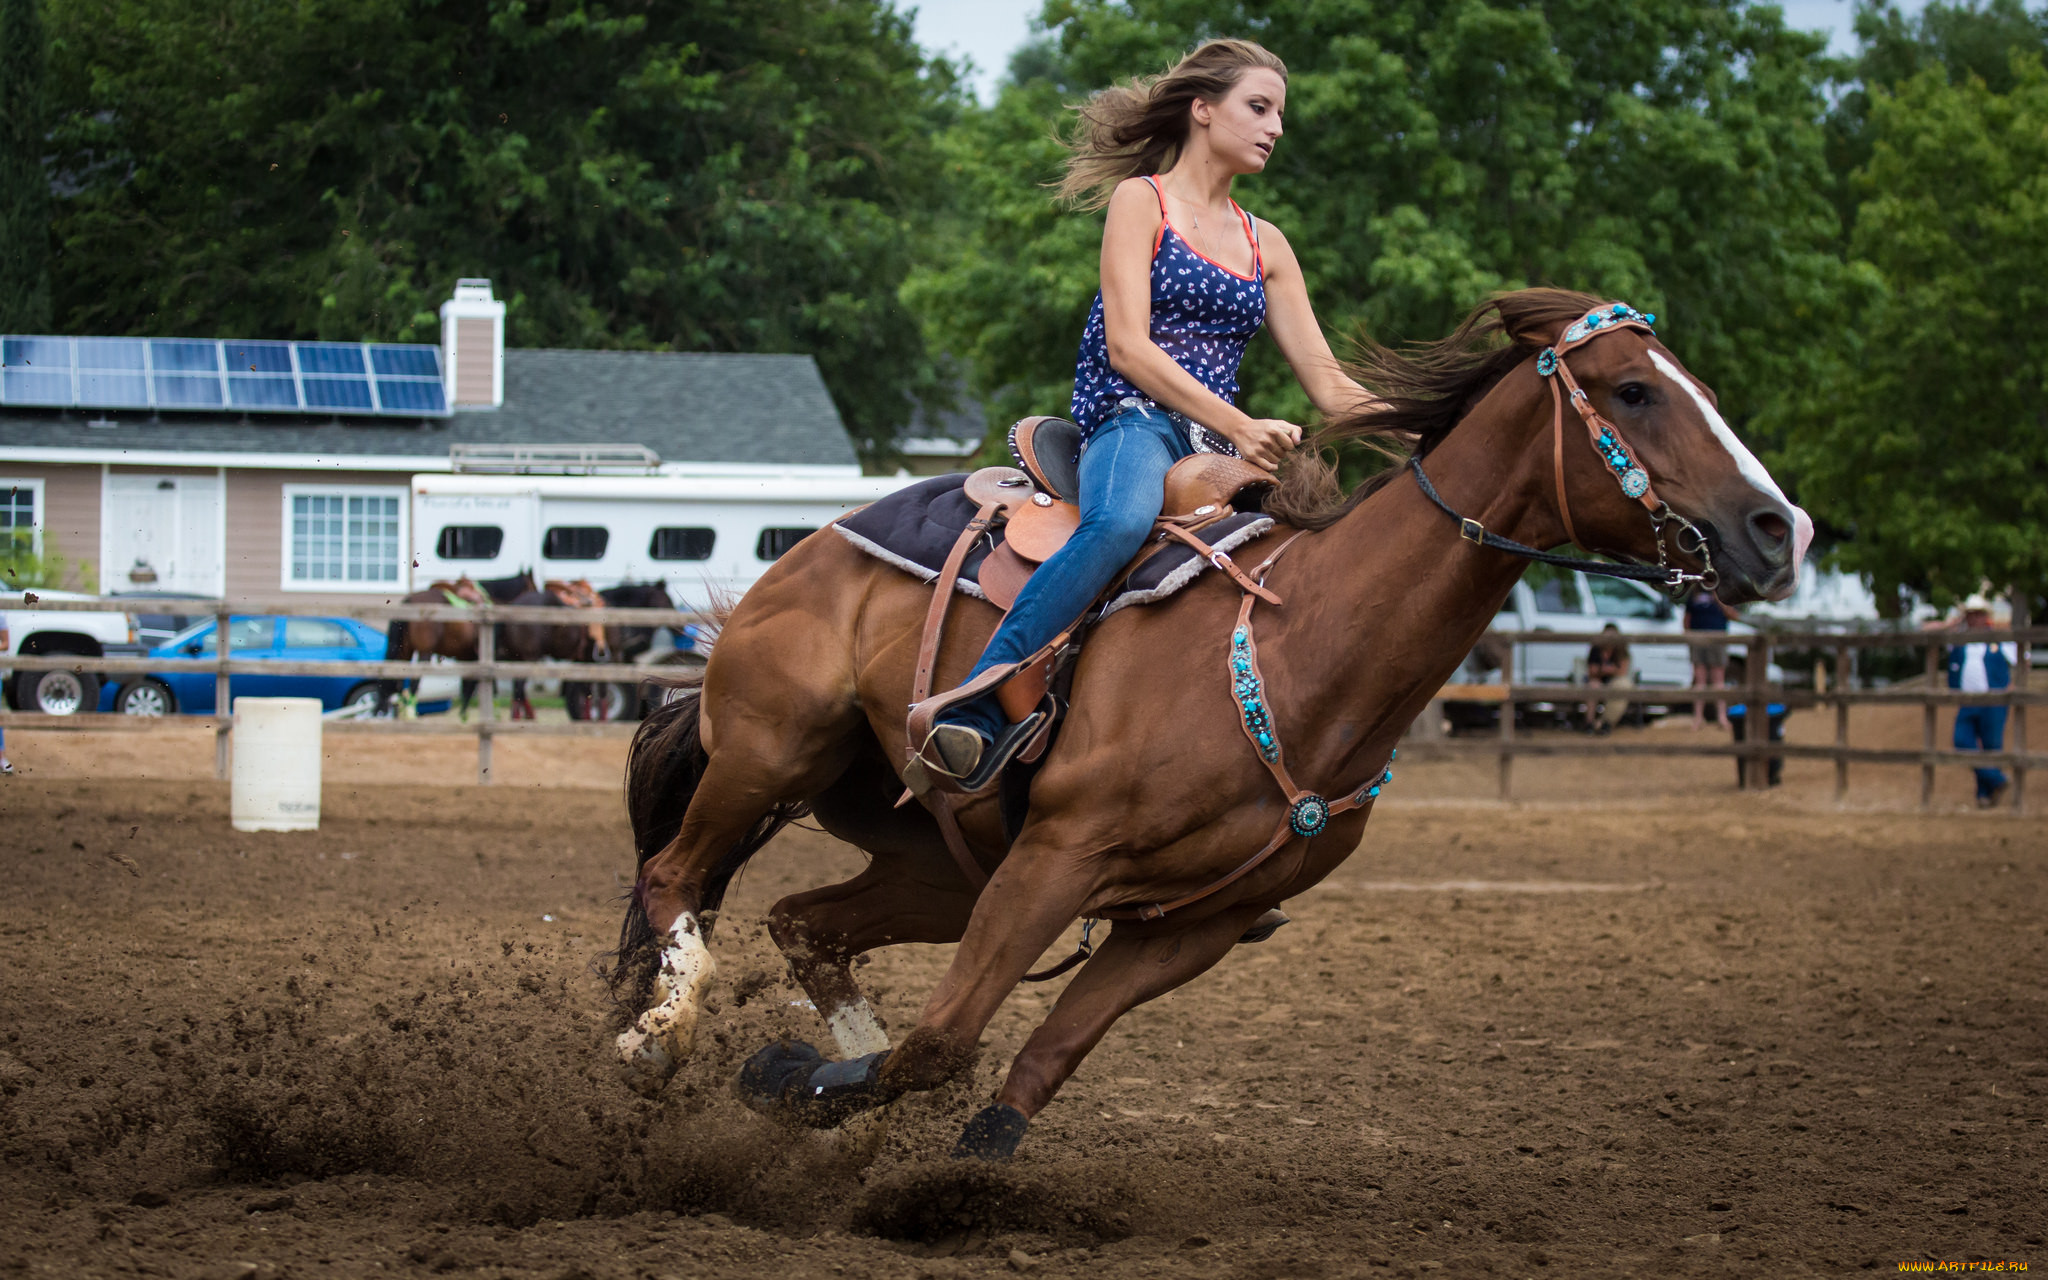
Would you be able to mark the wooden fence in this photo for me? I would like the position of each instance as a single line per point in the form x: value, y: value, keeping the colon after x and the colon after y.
x: 1755, y: 694
x: 485, y: 727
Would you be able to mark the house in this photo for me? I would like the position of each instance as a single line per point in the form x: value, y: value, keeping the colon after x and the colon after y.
x: 267, y: 470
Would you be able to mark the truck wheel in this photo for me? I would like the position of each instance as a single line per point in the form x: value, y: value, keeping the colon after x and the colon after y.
x: 146, y: 698
x: 57, y: 693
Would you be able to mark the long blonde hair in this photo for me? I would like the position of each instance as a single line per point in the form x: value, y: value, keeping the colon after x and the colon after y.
x: 1139, y: 127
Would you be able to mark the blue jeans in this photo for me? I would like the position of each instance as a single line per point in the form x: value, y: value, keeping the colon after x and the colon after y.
x: 1982, y: 728
x: 1123, y: 487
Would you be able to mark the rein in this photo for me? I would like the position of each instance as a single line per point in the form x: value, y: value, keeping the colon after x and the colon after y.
x: 1613, y: 450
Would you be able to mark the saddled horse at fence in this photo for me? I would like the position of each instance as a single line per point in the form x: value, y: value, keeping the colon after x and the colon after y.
x: 586, y: 701
x: 452, y: 639
x: 534, y: 641
x: 1169, y: 770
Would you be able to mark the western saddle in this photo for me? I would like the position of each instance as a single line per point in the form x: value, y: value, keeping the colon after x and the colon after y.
x: 1035, y: 504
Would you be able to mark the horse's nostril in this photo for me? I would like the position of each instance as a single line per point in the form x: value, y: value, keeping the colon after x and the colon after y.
x: 1772, y: 533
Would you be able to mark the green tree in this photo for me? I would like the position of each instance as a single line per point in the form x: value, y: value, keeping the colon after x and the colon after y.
x: 1926, y: 436
x: 1669, y: 152
x: 723, y: 175
x: 24, y: 185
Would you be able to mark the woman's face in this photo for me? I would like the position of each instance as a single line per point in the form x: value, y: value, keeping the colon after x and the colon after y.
x: 1244, y: 127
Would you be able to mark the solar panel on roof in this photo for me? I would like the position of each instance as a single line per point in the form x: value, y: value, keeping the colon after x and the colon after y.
x: 198, y: 374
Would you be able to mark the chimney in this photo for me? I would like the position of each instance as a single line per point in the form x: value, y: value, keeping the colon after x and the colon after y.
x: 473, y: 346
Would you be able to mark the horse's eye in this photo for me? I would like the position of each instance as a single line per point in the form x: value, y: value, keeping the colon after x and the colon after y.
x: 1633, y: 393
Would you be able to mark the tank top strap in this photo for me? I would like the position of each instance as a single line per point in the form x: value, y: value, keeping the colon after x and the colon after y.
x: 1251, y: 233
x: 1159, y: 236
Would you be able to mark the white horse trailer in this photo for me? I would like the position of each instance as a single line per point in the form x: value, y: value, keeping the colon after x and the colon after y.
x: 704, y: 536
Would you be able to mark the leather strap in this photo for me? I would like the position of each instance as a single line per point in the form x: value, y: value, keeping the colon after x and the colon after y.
x: 1564, y: 506
x: 942, y: 600
x: 1221, y: 561
x: 941, y: 803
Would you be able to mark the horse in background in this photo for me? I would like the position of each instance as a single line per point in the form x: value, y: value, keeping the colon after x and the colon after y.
x: 455, y: 639
x: 590, y: 701
x: 534, y: 641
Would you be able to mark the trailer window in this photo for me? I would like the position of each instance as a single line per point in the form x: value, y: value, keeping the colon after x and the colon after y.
x: 575, y: 542
x: 775, y: 543
x: 470, y: 542
x: 682, y: 544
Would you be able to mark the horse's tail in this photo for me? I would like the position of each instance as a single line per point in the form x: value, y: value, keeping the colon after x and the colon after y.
x: 663, y: 769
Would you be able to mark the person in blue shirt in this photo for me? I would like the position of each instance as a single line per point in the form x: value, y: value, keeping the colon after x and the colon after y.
x: 1981, y: 667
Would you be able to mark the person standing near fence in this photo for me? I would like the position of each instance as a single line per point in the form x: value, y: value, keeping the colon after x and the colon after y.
x: 1703, y: 613
x: 1981, y: 667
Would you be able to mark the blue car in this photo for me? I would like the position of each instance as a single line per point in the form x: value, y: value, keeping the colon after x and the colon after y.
x: 278, y: 639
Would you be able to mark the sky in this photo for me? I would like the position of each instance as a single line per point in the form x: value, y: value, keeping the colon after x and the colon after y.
x: 988, y: 31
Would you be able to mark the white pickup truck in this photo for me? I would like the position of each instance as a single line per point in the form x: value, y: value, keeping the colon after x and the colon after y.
x: 1549, y: 599
x: 29, y: 631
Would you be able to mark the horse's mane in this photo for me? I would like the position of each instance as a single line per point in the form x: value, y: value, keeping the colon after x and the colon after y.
x: 1427, y: 388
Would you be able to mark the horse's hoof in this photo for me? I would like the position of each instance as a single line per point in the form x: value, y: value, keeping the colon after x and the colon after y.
x: 660, y: 1038
x: 1266, y: 926
x: 644, y: 1062
x: 790, y: 1080
x: 767, y: 1078
x: 994, y: 1133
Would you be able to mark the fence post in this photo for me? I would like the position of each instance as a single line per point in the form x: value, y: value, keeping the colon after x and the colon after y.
x: 1507, y: 743
x: 2022, y: 618
x: 223, y: 711
x: 1842, y: 677
x: 1756, y: 713
x: 487, y: 685
x: 1927, y: 714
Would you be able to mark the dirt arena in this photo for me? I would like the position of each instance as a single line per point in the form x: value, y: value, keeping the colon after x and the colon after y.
x: 1683, y: 1032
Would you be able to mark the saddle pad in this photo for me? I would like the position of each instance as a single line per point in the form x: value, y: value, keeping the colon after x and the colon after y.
x: 915, y: 527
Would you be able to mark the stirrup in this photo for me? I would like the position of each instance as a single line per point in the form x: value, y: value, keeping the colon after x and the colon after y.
x: 926, y: 772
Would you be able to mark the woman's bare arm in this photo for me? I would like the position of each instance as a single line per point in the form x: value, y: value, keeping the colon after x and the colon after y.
x: 1127, y: 239
x: 1292, y: 320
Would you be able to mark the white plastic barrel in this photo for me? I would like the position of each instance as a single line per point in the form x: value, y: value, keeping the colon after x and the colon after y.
x: 276, y: 779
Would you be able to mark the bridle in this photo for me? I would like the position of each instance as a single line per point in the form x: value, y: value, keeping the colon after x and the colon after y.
x: 1614, y: 452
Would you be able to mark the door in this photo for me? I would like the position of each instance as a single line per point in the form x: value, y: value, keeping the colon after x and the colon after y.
x: 162, y: 533
x: 1558, y: 604
x: 318, y: 640
x: 247, y: 638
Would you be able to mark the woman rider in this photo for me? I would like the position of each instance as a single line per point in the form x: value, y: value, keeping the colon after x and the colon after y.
x: 1187, y: 279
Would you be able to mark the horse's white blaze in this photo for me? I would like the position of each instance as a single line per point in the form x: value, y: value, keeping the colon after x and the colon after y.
x: 659, y: 1039
x: 1746, y: 463
x: 855, y: 1030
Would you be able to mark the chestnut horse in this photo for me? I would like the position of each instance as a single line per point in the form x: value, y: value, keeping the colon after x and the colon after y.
x: 1151, y: 792
x: 456, y: 639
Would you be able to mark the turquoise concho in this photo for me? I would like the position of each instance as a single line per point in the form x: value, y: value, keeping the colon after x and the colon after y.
x: 1546, y: 364
x: 1309, y: 815
x: 1635, y: 482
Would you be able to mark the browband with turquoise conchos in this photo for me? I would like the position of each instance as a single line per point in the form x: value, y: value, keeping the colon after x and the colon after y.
x: 1613, y: 451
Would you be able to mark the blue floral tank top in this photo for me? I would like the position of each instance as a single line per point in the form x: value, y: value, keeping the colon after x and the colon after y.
x: 1203, y: 314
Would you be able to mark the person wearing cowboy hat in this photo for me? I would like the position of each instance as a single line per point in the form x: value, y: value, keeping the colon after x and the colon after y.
x: 1981, y: 667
